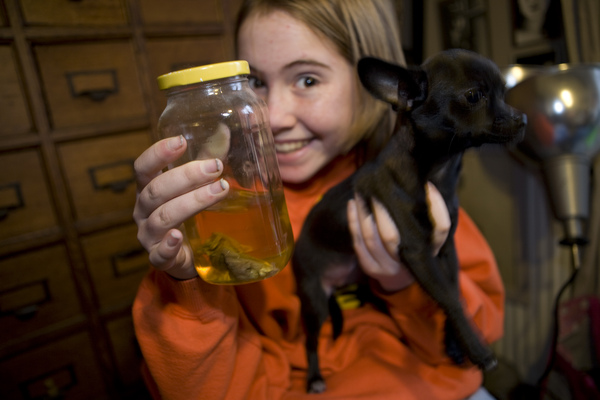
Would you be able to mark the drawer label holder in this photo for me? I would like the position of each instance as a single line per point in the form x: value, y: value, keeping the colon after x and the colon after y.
x: 114, y: 176
x: 11, y: 198
x: 97, y: 85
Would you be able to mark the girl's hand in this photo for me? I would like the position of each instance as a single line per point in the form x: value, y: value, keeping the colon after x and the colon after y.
x: 166, y: 200
x: 376, y: 239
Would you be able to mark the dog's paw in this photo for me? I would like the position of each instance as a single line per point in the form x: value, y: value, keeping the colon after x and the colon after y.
x: 490, y: 363
x: 453, y: 348
x: 454, y: 351
x: 316, y: 385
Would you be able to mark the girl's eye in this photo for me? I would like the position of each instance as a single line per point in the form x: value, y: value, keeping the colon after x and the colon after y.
x: 473, y: 96
x: 254, y: 82
x: 307, y: 81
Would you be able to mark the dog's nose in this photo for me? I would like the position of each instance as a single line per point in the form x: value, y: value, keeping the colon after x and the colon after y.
x: 521, y: 120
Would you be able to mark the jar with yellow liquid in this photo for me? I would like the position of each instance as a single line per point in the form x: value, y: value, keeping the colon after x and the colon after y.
x: 247, y: 236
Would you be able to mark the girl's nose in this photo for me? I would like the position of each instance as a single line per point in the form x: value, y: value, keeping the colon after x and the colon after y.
x: 281, y: 110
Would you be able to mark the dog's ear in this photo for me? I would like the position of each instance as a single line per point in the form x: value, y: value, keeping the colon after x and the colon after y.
x: 401, y: 87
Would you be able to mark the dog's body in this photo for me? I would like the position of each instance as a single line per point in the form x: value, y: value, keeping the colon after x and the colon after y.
x: 452, y: 102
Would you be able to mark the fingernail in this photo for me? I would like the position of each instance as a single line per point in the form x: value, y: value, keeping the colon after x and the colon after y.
x: 224, y: 184
x: 351, y: 205
x: 175, y: 142
x: 212, y: 167
x: 218, y: 187
x: 173, y: 238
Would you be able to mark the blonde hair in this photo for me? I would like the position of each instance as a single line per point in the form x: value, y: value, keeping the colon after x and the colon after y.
x: 357, y: 28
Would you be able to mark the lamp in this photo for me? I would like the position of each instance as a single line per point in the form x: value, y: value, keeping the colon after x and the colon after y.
x: 562, y: 104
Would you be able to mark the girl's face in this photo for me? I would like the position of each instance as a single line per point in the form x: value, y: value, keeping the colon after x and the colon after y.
x: 310, y: 89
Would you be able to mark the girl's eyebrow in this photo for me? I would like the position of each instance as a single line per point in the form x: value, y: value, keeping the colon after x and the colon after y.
x: 303, y: 62
x: 296, y: 63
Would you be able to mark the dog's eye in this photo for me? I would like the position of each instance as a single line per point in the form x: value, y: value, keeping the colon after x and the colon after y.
x: 473, y: 96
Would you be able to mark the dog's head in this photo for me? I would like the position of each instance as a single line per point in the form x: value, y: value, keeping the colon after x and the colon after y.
x: 456, y: 97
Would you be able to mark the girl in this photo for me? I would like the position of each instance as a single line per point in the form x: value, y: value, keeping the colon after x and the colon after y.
x: 202, y: 341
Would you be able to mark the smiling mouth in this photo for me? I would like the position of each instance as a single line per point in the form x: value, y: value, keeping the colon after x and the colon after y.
x: 289, y: 147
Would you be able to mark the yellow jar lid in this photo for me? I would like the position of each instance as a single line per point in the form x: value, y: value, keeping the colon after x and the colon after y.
x: 203, y: 73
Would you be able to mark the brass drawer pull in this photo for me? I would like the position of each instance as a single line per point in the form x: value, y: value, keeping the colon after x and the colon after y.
x: 115, y: 176
x: 23, y: 301
x: 50, y: 385
x: 97, y: 85
x: 11, y: 198
x: 129, y: 262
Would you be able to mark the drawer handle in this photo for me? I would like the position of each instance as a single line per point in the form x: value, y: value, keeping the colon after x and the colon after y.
x: 50, y: 385
x: 114, y: 176
x: 129, y: 262
x: 24, y: 301
x: 11, y: 198
x: 97, y: 85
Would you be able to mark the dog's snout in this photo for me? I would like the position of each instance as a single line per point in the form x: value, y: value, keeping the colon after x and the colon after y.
x: 510, y: 124
x: 521, y: 120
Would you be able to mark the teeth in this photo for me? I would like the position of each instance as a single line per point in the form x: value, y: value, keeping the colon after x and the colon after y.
x: 288, y: 147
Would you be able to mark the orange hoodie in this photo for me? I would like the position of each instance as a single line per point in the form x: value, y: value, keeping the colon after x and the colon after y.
x: 202, y: 341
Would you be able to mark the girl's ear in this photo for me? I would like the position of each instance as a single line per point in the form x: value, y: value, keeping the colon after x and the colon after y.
x: 399, y: 86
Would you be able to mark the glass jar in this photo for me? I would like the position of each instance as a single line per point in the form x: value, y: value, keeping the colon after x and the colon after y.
x: 247, y: 236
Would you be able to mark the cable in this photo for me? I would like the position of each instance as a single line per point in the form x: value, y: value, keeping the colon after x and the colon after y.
x: 554, y: 346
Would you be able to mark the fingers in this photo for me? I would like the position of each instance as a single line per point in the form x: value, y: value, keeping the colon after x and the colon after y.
x: 372, y: 254
x: 376, y: 238
x: 177, y: 182
x: 375, y: 253
x: 173, y: 256
x: 438, y: 213
x: 166, y: 200
x: 390, y: 237
x: 172, y: 213
x: 354, y: 224
x: 149, y: 164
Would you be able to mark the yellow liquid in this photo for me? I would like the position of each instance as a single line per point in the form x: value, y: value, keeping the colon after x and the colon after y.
x: 244, y: 238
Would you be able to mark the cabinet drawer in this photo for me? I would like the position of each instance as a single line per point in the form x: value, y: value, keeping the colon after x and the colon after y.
x: 100, y: 172
x: 91, y: 83
x: 69, y: 12
x: 65, y: 369
x: 167, y: 55
x: 25, y: 204
x: 14, y: 118
x: 126, y: 350
x: 117, y: 263
x: 36, y: 291
x: 181, y: 11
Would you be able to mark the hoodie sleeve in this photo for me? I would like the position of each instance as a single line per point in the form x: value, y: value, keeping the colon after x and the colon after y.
x: 422, y: 321
x: 197, y: 343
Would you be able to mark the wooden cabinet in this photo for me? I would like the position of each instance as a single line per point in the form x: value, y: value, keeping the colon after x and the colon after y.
x: 181, y: 11
x: 63, y: 369
x: 36, y: 292
x: 90, y: 83
x: 15, y: 117
x: 73, y: 13
x: 78, y: 104
x: 99, y: 173
x: 117, y: 262
x: 26, y: 205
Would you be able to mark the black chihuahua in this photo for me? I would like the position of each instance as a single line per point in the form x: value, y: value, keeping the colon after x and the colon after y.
x: 454, y: 101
